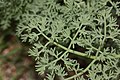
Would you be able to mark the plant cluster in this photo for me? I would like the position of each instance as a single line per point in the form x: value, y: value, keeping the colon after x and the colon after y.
x: 10, y: 10
x: 55, y: 27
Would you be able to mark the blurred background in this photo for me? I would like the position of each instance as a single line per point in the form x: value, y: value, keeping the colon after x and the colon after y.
x: 15, y: 64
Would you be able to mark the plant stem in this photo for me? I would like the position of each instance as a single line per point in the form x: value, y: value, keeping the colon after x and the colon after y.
x: 82, y: 71
x: 73, y: 51
x: 69, y: 50
x: 86, y: 69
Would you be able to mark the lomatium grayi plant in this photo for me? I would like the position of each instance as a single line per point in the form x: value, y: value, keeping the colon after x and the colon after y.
x: 64, y: 34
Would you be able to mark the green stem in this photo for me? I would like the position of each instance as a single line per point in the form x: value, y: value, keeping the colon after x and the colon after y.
x: 86, y: 69
x: 69, y: 50
x: 104, y: 29
x: 73, y: 51
x: 115, y: 56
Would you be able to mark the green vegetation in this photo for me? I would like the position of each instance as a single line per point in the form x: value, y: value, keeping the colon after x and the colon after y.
x: 70, y: 39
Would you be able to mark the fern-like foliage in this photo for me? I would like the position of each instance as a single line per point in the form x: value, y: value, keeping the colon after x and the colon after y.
x: 10, y: 10
x: 55, y: 27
